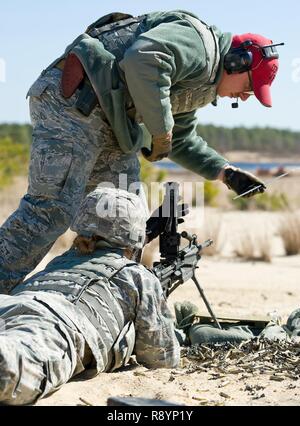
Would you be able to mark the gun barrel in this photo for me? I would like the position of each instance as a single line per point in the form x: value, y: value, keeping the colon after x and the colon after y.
x: 207, y: 244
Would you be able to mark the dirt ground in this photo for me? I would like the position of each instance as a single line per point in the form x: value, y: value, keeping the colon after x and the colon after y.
x: 234, y: 287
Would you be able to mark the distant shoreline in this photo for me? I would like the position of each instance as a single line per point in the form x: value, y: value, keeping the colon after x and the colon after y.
x: 257, y: 157
x: 267, y: 166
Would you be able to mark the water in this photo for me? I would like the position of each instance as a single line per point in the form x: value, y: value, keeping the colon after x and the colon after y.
x: 243, y: 165
x: 268, y: 166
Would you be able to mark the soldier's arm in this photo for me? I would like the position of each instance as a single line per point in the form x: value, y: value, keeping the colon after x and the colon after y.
x: 160, y: 58
x: 156, y: 343
x: 191, y: 151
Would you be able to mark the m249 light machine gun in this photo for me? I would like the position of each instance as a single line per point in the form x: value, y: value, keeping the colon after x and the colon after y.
x: 177, y: 265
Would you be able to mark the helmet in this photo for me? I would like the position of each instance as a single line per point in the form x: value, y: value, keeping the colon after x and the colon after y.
x: 293, y: 323
x: 116, y: 215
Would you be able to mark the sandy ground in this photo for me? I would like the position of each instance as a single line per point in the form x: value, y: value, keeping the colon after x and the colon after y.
x: 234, y: 287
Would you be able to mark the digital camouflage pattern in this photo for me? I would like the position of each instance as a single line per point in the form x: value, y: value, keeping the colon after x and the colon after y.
x: 71, y: 155
x: 115, y: 215
x: 40, y: 347
x: 198, y: 332
x: 293, y: 324
x: 48, y: 338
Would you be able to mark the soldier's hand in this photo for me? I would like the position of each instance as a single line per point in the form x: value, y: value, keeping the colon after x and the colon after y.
x: 161, y: 148
x: 157, y: 223
x: 241, y: 181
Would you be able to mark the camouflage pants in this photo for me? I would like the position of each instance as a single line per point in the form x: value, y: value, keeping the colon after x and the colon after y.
x: 40, y: 348
x: 71, y: 155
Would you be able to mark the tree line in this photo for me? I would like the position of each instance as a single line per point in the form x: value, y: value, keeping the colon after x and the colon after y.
x: 274, y: 142
x: 263, y: 140
x: 18, y: 133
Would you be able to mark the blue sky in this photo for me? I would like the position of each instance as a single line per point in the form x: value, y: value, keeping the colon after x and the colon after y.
x: 33, y: 33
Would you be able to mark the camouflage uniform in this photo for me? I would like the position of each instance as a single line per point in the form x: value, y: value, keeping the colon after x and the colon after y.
x: 85, y: 312
x: 158, y: 69
x: 71, y: 154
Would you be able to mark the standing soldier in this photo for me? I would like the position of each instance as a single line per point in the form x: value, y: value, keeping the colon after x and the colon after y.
x: 87, y: 106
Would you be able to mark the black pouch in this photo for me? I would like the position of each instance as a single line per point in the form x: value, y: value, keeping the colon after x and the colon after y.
x: 87, y: 99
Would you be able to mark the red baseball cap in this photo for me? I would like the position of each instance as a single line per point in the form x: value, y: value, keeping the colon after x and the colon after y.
x: 263, y: 69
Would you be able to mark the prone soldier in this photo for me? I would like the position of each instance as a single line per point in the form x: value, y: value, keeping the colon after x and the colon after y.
x: 91, y: 308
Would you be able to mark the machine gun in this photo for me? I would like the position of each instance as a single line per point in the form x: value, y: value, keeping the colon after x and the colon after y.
x: 177, y: 265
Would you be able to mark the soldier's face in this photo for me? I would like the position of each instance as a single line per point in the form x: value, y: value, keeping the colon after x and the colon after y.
x: 236, y: 86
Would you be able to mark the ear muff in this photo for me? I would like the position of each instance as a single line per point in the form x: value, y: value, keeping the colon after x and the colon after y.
x: 239, y: 59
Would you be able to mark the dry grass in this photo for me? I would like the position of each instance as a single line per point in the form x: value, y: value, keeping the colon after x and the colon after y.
x: 289, y: 231
x: 254, y: 248
x: 211, y: 230
x: 10, y: 197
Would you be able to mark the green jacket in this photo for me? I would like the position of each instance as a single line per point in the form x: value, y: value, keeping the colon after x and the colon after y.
x: 169, y: 57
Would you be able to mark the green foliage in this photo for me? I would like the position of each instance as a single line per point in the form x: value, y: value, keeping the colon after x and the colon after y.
x: 15, y: 141
x: 150, y: 174
x: 211, y: 192
x: 18, y: 133
x: 272, y: 202
x: 242, y: 204
x: 13, y: 160
x: 276, y: 201
x: 264, y: 140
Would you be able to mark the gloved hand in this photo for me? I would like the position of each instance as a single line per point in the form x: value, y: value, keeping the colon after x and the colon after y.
x: 157, y: 223
x: 241, y: 181
x: 161, y: 148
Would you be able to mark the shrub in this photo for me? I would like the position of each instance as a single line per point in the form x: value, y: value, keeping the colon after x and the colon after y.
x: 276, y: 201
x: 289, y: 231
x: 211, y: 230
x: 272, y: 202
x: 242, y: 204
x: 254, y: 249
x: 149, y: 174
x: 13, y: 161
x: 211, y: 192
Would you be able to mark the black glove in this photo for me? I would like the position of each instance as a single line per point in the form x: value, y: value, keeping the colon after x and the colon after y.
x: 240, y: 181
x: 157, y: 223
